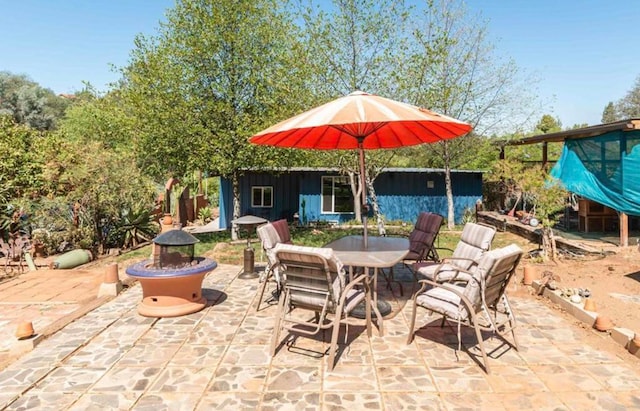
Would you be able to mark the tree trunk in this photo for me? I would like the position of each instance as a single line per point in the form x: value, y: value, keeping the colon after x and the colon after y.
x: 549, y: 250
x: 236, y: 205
x: 356, y: 190
x: 376, y: 208
x: 451, y: 216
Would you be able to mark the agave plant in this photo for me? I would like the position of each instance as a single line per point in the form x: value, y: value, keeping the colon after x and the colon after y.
x: 136, y: 227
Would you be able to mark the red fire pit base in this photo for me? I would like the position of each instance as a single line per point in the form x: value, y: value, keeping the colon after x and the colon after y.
x: 171, y: 293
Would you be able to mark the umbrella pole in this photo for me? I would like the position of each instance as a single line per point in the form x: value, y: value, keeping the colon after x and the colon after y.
x: 364, y: 208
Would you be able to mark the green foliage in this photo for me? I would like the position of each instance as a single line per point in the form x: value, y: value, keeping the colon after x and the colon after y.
x: 609, y: 113
x: 205, y: 214
x: 19, y: 168
x: 545, y: 197
x: 135, y: 226
x: 629, y: 105
x: 216, y: 73
x: 28, y: 103
x: 548, y: 124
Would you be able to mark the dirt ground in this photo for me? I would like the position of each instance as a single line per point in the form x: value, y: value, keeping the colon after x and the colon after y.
x: 613, y: 282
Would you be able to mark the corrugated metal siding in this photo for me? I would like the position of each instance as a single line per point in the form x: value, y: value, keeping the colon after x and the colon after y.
x: 401, y: 195
x: 285, y: 195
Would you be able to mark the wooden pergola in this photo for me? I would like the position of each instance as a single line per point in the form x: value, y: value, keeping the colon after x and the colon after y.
x: 578, y: 133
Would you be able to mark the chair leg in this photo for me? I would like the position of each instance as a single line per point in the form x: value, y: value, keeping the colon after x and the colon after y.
x: 412, y: 323
x: 277, y: 327
x: 481, y: 345
x: 334, y: 343
x: 263, y: 287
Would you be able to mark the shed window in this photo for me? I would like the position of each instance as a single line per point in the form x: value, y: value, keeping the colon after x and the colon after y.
x: 262, y: 196
x: 336, y: 195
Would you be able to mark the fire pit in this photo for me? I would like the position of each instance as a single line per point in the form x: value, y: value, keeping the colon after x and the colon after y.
x: 172, y: 281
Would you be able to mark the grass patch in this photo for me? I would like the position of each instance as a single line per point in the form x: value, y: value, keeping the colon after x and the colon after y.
x: 219, y: 246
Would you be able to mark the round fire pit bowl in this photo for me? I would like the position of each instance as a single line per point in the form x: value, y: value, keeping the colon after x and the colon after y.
x: 171, y: 292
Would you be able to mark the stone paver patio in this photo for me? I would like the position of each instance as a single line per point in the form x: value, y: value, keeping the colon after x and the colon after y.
x: 218, y: 358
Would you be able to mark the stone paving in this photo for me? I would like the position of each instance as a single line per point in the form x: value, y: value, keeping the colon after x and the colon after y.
x: 218, y: 358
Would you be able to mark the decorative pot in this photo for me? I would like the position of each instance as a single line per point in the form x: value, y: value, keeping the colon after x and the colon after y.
x: 25, y: 330
x: 634, y: 345
x: 589, y: 305
x: 111, y: 274
x: 528, y: 275
x: 603, y: 323
x: 167, y: 219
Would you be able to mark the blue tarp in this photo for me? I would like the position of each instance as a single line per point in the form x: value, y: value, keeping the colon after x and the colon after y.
x: 605, y: 169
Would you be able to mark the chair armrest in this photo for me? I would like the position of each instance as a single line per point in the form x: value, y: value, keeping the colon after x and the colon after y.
x: 456, y: 269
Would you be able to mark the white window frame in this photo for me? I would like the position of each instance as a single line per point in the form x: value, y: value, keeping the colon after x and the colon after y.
x: 263, y: 190
x: 333, y: 179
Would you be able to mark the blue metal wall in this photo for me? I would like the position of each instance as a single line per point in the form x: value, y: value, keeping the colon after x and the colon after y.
x: 401, y: 195
x: 285, y: 196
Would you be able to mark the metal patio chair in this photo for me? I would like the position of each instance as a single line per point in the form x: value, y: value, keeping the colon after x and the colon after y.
x: 270, y: 235
x: 480, y: 302
x: 314, y: 279
x: 474, y: 242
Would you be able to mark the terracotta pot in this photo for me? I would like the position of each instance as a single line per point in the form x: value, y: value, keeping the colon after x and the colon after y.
x: 634, y: 345
x: 25, y: 330
x: 589, y: 305
x: 167, y: 219
x: 603, y: 323
x: 528, y: 275
x: 111, y: 274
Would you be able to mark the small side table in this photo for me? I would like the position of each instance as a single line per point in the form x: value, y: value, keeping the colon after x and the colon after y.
x: 249, y: 223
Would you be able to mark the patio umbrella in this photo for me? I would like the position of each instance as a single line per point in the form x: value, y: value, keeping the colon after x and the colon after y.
x: 361, y: 121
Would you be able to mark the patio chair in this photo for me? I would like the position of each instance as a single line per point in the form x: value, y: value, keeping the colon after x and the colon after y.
x: 314, y: 279
x: 475, y: 241
x: 271, y: 234
x: 421, y: 246
x: 422, y: 238
x: 480, y: 303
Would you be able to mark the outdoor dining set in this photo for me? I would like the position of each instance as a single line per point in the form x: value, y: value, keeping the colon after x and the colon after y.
x: 338, y: 282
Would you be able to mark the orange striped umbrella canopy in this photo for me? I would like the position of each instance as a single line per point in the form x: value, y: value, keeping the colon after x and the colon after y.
x: 361, y: 120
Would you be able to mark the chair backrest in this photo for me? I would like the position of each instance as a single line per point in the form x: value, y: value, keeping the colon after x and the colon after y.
x: 271, y: 234
x: 475, y: 240
x: 495, y: 269
x: 314, y: 277
x: 424, y: 234
x: 282, y: 227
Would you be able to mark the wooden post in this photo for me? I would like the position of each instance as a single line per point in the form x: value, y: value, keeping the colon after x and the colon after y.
x: 624, y: 230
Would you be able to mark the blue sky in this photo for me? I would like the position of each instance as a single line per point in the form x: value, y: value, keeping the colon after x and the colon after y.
x: 583, y: 52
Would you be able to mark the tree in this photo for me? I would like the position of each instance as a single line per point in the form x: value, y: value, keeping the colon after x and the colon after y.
x: 217, y: 72
x: 609, y: 113
x: 629, y: 105
x: 88, y: 165
x: 452, y: 68
x: 28, y: 103
x: 19, y: 168
x: 544, y: 196
x: 354, y: 46
x: 548, y: 124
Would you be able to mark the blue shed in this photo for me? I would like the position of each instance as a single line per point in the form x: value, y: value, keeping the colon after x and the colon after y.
x: 323, y: 194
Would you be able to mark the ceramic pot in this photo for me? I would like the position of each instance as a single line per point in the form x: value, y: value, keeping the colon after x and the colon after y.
x: 167, y: 219
x: 589, y: 305
x: 25, y: 330
x: 603, y: 323
x: 528, y: 275
x: 634, y: 345
x: 111, y: 274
